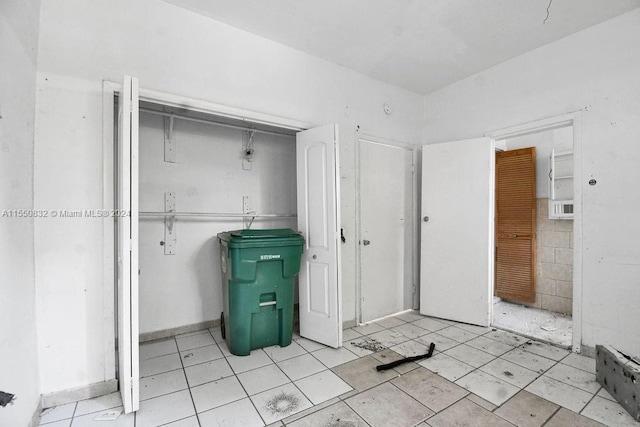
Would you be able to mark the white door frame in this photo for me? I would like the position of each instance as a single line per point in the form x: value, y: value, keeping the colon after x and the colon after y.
x: 415, y: 244
x: 109, y: 90
x: 570, y: 119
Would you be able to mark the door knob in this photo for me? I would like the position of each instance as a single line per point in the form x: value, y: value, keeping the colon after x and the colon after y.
x: 366, y: 242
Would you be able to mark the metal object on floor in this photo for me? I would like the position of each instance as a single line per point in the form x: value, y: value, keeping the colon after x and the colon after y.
x: 432, y: 347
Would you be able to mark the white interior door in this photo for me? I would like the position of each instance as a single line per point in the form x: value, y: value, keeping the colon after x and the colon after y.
x: 386, y: 229
x: 457, y: 232
x: 128, y: 351
x: 320, y: 290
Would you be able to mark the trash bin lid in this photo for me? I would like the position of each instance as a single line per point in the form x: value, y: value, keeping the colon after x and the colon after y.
x: 268, y: 237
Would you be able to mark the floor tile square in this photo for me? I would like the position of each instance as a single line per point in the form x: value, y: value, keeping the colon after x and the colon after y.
x: 194, y: 341
x: 240, y: 413
x: 609, y: 413
x: 457, y: 334
x: 301, y: 366
x: 564, y: 418
x: 309, y: 345
x: 350, y: 334
x: 510, y: 372
x: 560, y: 393
x: 217, y: 393
x: 470, y: 355
x: 57, y: 413
x: 488, y: 387
x: 207, y: 372
x: 152, y: 349
x: 201, y: 355
x: 261, y: 379
x: 410, y: 348
x: 389, y: 322
x: 361, y: 374
x: 410, y: 330
x: 61, y: 423
x: 481, y: 402
x: 505, y: 337
x: 606, y: 395
x: 160, y: 364
x: 277, y: 353
x: 489, y: 346
x: 108, y: 401
x: 322, y: 386
x: 409, y: 316
x: 165, y: 409
x: 478, y: 330
x: 338, y: 414
x: 257, y: 359
x: 216, y: 333
x: 388, y: 356
x: 185, y: 422
x: 331, y: 357
x: 465, y: 410
x: 386, y: 405
x: 157, y: 385
x: 527, y: 410
x: 433, y: 391
x: 528, y: 360
x: 430, y: 324
x: 442, y: 343
x: 280, y: 402
x: 545, y: 350
x: 446, y: 366
x: 575, y: 377
x: 388, y: 337
x: 368, y: 328
x: 89, y: 420
x: 581, y: 362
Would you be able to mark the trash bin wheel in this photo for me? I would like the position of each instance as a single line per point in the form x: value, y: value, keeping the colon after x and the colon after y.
x: 224, y: 335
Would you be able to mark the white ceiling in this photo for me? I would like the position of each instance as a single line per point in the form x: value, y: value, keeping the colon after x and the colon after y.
x: 420, y: 45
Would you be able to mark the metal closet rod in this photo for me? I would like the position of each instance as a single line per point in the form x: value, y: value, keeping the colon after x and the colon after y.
x: 217, y: 214
x: 212, y: 122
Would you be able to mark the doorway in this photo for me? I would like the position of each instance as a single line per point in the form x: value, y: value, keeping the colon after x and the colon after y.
x: 547, y: 314
x: 386, y: 227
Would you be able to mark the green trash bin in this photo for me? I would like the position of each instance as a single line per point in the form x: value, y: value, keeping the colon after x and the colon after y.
x: 258, y: 272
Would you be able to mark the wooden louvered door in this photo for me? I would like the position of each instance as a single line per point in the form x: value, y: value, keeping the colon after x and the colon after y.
x: 516, y: 224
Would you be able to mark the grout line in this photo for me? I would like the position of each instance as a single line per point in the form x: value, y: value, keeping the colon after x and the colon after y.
x: 184, y: 372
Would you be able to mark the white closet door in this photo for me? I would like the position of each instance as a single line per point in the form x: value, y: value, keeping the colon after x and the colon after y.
x: 128, y: 348
x: 457, y: 232
x: 318, y: 220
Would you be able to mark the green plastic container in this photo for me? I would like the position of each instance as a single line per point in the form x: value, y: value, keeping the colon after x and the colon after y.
x: 258, y: 273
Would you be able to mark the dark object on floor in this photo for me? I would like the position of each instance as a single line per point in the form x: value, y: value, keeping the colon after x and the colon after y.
x: 619, y: 374
x: 432, y: 347
x: 5, y: 398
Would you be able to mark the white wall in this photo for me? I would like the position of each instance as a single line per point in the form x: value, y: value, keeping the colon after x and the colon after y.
x: 18, y: 333
x: 174, y: 51
x: 596, y: 72
x: 208, y: 176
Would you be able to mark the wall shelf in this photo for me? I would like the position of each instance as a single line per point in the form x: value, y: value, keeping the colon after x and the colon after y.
x: 561, y: 185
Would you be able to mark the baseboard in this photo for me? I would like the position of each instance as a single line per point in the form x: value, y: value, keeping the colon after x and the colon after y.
x: 588, y: 351
x: 166, y: 333
x: 35, y: 419
x: 79, y: 393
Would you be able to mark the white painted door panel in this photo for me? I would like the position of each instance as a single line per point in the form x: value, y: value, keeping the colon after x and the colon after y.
x: 318, y: 196
x: 457, y: 241
x: 386, y: 227
x: 128, y: 348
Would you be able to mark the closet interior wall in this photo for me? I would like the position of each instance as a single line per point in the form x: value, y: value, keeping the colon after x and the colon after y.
x: 185, y: 288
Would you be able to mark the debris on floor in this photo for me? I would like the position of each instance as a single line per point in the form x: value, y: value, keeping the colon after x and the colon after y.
x: 6, y: 398
x: 110, y: 415
x: 283, y: 404
x: 367, y: 343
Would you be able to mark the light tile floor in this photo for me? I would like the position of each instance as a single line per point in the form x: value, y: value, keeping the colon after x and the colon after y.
x: 477, y: 376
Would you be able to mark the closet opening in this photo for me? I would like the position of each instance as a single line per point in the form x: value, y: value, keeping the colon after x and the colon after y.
x: 534, y: 255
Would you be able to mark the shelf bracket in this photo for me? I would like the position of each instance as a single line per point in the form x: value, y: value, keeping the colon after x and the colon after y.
x: 170, y: 236
x: 169, y: 140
